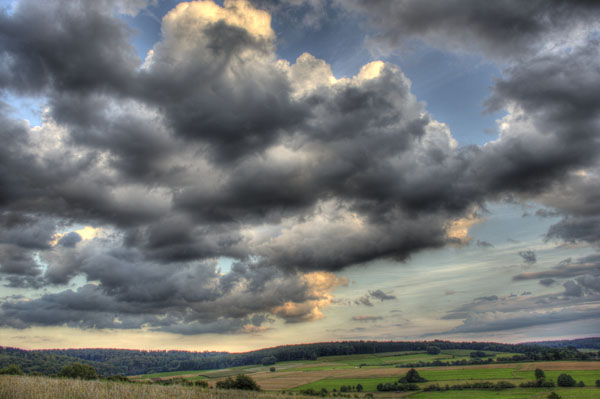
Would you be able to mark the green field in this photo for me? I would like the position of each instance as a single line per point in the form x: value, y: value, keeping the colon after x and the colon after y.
x: 520, y: 393
x: 369, y: 370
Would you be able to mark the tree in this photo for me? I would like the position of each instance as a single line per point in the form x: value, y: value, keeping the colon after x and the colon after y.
x: 565, y: 380
x: 539, y: 374
x: 597, y: 383
x: 11, y: 369
x: 412, y: 376
x: 359, y: 388
x: 433, y: 350
x: 78, y: 370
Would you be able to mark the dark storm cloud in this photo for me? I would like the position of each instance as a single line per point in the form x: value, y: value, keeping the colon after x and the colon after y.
x: 17, y: 261
x: 67, y: 45
x: 182, y: 298
x: 528, y: 257
x: 501, y: 29
x: 69, y: 240
x: 212, y: 148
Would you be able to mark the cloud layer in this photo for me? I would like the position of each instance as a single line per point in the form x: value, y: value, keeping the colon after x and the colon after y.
x: 212, y: 147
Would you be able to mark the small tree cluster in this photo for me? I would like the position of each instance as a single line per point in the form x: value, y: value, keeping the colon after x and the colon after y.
x: 11, y: 369
x: 242, y: 382
x: 78, y: 370
x: 565, y: 380
x: 412, y: 376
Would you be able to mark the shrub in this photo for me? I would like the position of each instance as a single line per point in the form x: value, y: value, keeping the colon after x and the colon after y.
x: 598, y: 383
x: 565, y: 380
x: 242, y: 382
x: 433, y: 350
x: 580, y: 384
x: 11, y: 369
x: 201, y: 384
x: 553, y: 395
x: 78, y: 370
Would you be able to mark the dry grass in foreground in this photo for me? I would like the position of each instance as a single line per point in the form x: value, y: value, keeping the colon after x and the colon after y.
x: 23, y: 387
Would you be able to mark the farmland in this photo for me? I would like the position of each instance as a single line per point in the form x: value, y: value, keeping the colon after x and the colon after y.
x: 330, y: 373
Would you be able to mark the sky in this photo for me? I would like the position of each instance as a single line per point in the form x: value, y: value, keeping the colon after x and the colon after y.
x: 241, y: 174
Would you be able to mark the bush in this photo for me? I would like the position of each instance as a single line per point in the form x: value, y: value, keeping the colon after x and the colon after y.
x: 433, y: 350
x: 272, y: 369
x: 201, y: 384
x: 565, y: 380
x: 580, y: 384
x: 11, y: 369
x: 598, y: 383
x: 242, y: 382
x: 78, y: 370
x: 553, y: 395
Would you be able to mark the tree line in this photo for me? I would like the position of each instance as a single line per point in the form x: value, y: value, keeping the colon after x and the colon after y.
x: 134, y: 362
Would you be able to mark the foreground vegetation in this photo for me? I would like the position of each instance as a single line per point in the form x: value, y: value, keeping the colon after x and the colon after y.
x: 21, y: 387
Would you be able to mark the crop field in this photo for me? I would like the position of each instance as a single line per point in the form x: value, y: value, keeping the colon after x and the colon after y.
x: 368, y: 370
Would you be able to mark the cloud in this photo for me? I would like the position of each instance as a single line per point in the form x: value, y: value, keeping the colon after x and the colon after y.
x: 182, y: 298
x: 382, y: 296
x: 501, y: 30
x: 484, y: 244
x: 70, y: 240
x: 547, y: 282
x: 528, y: 257
x: 211, y: 147
x: 366, y: 318
x: 565, y: 269
x: 363, y: 300
x: 499, y: 321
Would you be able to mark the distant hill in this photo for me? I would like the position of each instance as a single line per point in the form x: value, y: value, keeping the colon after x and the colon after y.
x: 135, y: 362
x: 590, y: 343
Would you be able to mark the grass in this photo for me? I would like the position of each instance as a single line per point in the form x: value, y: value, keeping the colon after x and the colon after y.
x: 20, y: 387
x: 519, y: 393
x: 588, y: 377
